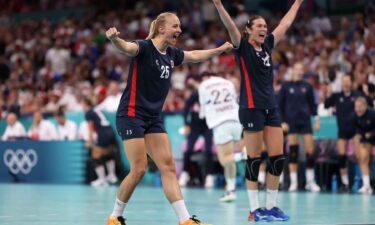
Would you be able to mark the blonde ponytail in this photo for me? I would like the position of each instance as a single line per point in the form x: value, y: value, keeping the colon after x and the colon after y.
x: 155, y: 24
x: 152, y: 32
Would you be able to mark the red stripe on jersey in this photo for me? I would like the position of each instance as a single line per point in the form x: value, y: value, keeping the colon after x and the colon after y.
x: 250, y: 100
x: 133, y: 90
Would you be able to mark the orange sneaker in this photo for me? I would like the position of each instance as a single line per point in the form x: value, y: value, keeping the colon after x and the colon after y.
x: 193, y: 220
x: 116, y: 221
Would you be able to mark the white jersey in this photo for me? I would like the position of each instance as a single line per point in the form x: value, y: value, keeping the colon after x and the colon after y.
x: 218, y: 101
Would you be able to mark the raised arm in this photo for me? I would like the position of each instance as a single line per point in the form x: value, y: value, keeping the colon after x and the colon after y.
x: 197, y: 56
x: 128, y: 48
x: 286, y: 21
x: 233, y: 31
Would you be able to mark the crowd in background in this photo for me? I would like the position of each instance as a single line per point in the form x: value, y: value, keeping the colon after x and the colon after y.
x: 46, y: 65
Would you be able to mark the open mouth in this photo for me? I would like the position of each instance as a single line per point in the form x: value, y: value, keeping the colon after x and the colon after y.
x: 262, y: 35
x: 175, y: 36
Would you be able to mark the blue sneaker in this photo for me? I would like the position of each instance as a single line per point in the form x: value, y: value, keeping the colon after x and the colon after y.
x: 259, y: 215
x: 276, y: 214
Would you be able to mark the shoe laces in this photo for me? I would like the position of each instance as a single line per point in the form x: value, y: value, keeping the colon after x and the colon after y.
x: 194, y: 218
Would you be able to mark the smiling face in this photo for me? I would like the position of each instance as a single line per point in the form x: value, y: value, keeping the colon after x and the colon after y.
x: 257, y: 30
x: 171, y: 29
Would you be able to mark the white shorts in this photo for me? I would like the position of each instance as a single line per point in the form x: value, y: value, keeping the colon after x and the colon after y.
x: 227, y: 132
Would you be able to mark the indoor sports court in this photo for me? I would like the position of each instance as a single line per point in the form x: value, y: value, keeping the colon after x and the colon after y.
x: 84, y: 205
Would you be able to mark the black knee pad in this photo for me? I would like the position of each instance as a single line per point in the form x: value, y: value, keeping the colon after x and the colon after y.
x: 293, y: 153
x: 276, y: 164
x: 108, y: 157
x: 342, y: 161
x: 252, y: 168
x: 97, y: 162
x: 310, y: 161
x: 264, y: 155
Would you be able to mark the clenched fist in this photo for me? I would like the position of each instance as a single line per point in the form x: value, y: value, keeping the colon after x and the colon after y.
x: 226, y: 47
x: 112, y: 33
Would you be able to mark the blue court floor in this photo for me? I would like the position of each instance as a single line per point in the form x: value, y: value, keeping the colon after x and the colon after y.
x: 23, y: 204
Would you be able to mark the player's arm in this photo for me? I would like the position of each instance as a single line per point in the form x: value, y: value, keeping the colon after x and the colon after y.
x: 286, y: 21
x: 197, y: 56
x: 128, y: 48
x: 91, y: 129
x: 233, y: 31
x: 202, y: 102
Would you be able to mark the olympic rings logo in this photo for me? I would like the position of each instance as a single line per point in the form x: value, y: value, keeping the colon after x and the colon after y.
x: 20, y: 160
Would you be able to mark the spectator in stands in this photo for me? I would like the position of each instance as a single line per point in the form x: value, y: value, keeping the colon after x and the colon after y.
x: 111, y: 102
x: 66, y: 129
x: 14, y: 129
x: 42, y: 129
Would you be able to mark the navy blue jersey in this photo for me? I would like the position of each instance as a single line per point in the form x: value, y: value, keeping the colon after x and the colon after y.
x: 297, y: 102
x: 101, y: 124
x: 366, y: 124
x: 344, y: 105
x: 149, y: 80
x: 256, y: 75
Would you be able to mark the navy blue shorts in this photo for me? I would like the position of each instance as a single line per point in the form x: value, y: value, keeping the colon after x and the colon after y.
x: 300, y: 128
x: 346, y: 135
x: 133, y: 127
x: 365, y: 140
x: 257, y: 119
x: 106, y: 137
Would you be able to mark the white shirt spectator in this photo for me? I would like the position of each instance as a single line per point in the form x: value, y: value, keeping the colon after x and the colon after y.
x: 83, y: 131
x: 15, y: 131
x: 68, y: 131
x: 45, y: 131
x: 110, y: 103
x: 59, y: 59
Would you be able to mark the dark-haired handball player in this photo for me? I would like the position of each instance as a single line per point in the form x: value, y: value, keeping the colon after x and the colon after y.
x: 297, y: 106
x: 102, y: 142
x: 258, y: 111
x: 138, y: 118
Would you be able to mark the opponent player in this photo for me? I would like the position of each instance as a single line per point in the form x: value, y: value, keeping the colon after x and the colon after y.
x: 138, y: 118
x: 258, y: 109
x: 218, y: 104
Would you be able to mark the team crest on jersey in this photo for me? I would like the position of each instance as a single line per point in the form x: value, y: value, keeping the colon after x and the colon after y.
x: 291, y: 90
x: 157, y: 62
x: 265, y: 59
x: 303, y: 90
x: 172, y: 64
x: 341, y: 99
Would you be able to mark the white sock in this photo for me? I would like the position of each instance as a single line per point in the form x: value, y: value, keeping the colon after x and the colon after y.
x: 253, y: 199
x: 111, y: 166
x: 238, y: 157
x: 345, y: 179
x: 231, y: 184
x: 293, y: 178
x: 366, y: 180
x: 281, y: 178
x: 118, y: 209
x: 271, y: 198
x: 100, y: 172
x: 262, y: 177
x: 180, y: 209
x: 310, y: 176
